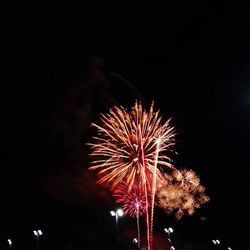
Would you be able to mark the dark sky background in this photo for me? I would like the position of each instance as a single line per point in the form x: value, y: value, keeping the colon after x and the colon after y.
x: 66, y: 64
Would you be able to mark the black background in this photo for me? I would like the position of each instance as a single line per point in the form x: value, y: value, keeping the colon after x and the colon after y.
x: 67, y: 63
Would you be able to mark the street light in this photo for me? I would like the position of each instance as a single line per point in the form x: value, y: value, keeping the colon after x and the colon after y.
x: 169, y: 231
x: 216, y: 242
x: 10, y: 243
x: 117, y: 213
x: 112, y: 213
x: 135, y: 241
x: 40, y: 232
x: 37, y: 233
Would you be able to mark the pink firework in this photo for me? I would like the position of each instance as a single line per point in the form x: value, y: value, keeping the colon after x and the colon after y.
x: 133, y: 201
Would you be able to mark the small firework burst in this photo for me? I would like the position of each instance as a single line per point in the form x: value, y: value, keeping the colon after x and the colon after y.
x: 133, y: 201
x: 181, y: 193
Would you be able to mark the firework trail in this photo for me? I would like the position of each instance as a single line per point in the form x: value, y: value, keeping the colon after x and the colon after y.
x: 133, y: 202
x: 145, y: 187
x: 126, y: 147
x: 153, y: 191
x: 181, y: 193
x: 138, y: 229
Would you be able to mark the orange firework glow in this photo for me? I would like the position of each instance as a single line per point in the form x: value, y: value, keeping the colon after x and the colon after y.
x: 181, y: 193
x: 126, y: 144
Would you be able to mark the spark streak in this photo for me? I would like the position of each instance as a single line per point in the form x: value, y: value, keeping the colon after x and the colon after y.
x: 158, y: 141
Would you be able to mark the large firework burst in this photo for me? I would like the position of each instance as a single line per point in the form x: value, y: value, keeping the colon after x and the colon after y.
x: 126, y: 145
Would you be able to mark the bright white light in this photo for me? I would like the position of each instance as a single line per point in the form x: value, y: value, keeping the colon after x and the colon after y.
x: 137, y: 205
x: 35, y: 232
x: 158, y: 141
x: 229, y: 248
x: 169, y: 230
x: 112, y: 213
x: 119, y: 212
x: 218, y: 242
x: 135, y: 241
x: 172, y: 248
x: 9, y: 241
x: 40, y: 232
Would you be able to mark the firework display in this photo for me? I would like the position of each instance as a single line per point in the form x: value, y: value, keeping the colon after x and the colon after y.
x: 131, y: 152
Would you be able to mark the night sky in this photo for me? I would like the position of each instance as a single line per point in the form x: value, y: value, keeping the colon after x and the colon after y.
x: 66, y: 64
